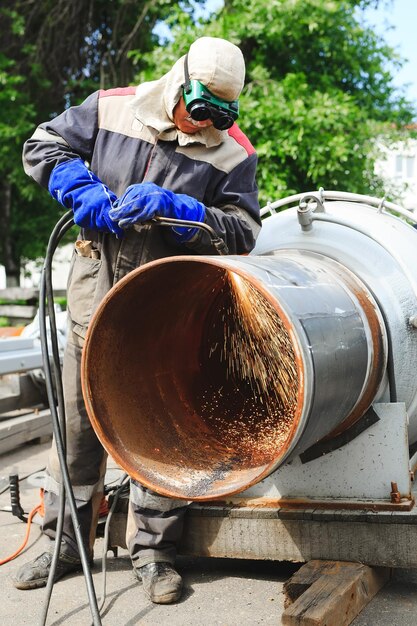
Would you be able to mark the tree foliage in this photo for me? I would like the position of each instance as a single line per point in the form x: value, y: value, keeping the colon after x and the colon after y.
x: 318, y: 94
x: 53, y: 53
x: 319, y: 89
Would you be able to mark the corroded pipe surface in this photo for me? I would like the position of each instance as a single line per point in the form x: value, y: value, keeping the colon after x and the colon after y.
x: 170, y: 408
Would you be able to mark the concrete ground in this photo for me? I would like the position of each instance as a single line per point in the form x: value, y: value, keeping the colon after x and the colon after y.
x: 218, y: 592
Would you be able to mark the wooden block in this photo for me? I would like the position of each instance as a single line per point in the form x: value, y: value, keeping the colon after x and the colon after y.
x: 331, y: 593
x: 16, y: 431
x: 20, y: 393
x: 304, y: 578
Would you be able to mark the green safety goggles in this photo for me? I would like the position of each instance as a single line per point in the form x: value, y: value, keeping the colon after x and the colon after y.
x: 202, y: 105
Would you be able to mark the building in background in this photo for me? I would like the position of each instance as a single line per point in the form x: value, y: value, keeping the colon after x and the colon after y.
x: 31, y: 272
x: 398, y: 167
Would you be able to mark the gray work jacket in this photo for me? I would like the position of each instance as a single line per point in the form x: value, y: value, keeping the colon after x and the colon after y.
x: 121, y: 151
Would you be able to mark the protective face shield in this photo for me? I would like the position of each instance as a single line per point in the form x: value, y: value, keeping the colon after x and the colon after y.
x: 202, y: 105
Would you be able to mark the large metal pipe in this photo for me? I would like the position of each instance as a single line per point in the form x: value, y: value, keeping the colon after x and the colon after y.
x: 167, y: 404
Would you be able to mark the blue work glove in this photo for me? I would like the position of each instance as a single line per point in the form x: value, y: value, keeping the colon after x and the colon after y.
x: 140, y: 203
x: 77, y: 188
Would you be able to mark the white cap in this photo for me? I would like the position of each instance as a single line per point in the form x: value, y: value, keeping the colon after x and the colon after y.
x: 219, y: 65
x: 216, y: 63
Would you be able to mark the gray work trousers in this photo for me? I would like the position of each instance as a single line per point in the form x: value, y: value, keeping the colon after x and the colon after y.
x: 154, y: 522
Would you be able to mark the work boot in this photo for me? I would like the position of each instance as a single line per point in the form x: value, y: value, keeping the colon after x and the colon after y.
x: 161, y: 583
x: 35, y: 573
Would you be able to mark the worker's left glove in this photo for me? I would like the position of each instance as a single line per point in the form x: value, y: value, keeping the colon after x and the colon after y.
x: 140, y: 203
x: 77, y: 188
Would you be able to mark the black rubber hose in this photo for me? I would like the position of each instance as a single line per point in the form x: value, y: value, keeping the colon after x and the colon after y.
x: 57, y: 236
x: 58, y: 400
x: 58, y: 417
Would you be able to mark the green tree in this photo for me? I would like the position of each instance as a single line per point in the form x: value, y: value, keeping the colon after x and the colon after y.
x: 53, y: 53
x: 318, y: 94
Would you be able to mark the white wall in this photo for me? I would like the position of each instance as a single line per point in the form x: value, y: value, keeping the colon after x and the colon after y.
x: 398, y: 167
x: 60, y: 268
x: 31, y: 273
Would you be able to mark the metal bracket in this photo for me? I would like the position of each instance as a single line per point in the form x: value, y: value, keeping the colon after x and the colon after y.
x: 381, y: 205
x: 324, y: 447
x: 310, y: 203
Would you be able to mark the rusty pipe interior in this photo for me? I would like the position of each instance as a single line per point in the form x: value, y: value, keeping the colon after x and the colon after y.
x: 196, y: 404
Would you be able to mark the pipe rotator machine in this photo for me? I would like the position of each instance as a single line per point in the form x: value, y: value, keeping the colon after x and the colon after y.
x: 333, y: 414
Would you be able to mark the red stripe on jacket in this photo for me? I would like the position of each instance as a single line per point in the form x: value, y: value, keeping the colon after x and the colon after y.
x: 119, y: 91
x: 241, y: 139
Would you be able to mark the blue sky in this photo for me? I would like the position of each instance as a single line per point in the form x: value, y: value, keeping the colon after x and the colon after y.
x: 396, y: 21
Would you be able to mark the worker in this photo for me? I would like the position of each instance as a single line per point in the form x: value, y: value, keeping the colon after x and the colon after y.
x: 171, y: 148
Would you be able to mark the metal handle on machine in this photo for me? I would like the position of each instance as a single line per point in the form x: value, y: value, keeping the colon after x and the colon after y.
x: 217, y: 242
x: 380, y: 204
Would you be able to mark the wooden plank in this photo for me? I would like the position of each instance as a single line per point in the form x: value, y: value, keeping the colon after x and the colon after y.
x: 18, y: 311
x: 16, y: 431
x: 19, y: 293
x: 60, y: 293
x: 19, y: 391
x: 331, y: 592
x: 26, y: 293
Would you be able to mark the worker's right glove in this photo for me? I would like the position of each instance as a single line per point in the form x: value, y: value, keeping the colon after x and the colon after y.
x: 77, y: 188
x: 142, y: 202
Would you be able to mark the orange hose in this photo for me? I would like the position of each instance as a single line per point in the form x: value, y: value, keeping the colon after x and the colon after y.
x: 19, y: 550
x: 42, y: 502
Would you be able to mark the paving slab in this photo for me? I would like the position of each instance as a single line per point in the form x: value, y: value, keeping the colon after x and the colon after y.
x: 218, y: 592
